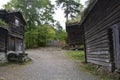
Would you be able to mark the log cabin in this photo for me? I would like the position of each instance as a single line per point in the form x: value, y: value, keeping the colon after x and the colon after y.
x: 12, y: 37
x: 101, y: 27
x: 74, y: 34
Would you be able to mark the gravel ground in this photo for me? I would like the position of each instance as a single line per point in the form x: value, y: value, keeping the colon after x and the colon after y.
x: 47, y: 64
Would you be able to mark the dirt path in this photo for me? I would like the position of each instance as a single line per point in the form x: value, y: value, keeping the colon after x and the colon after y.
x: 47, y: 64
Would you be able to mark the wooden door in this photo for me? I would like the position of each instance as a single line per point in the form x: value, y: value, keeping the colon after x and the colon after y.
x: 11, y: 43
x: 18, y: 45
x: 3, y: 39
x: 116, y: 44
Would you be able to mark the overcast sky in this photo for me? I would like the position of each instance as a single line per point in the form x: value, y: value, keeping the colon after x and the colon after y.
x: 59, y: 14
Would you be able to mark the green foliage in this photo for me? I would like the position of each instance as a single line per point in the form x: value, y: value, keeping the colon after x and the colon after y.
x: 38, y: 16
x: 77, y: 55
x: 88, y: 4
x: 36, y: 12
x: 58, y: 27
x: 60, y: 33
x: 2, y: 23
x: 38, y: 37
x: 39, y: 19
x: 31, y: 39
x: 109, y: 76
x: 71, y: 8
x: 62, y: 36
x: 90, y: 68
x: 4, y: 64
x: 102, y: 72
x: 77, y: 19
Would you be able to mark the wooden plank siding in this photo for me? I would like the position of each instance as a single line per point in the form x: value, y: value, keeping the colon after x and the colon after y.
x: 3, y: 38
x: 74, y: 34
x: 97, y: 33
x: 11, y: 35
x: 16, y: 29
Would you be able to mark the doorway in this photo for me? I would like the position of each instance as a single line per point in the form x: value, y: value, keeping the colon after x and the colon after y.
x: 116, y: 44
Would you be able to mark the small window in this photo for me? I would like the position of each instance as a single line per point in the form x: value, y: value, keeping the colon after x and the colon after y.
x: 16, y: 22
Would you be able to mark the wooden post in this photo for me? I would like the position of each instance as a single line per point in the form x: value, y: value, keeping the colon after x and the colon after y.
x: 112, y: 60
x: 6, y: 42
x: 83, y: 32
x: 14, y: 43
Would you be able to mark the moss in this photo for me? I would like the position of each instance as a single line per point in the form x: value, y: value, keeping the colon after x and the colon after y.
x: 15, y: 62
x: 4, y: 64
x: 2, y: 23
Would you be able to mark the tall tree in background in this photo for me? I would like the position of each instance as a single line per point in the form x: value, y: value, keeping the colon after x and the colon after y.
x: 60, y: 33
x: 39, y: 19
x: 88, y: 5
x: 71, y: 8
x: 36, y: 12
x: 58, y: 27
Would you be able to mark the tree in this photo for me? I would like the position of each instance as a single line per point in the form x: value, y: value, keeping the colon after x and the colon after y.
x: 38, y: 36
x: 60, y: 33
x: 71, y: 8
x: 38, y: 16
x: 36, y: 12
x: 88, y: 5
x: 58, y: 27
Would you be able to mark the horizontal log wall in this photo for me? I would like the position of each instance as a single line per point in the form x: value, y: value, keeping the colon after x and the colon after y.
x: 103, y: 15
x: 16, y: 29
x: 3, y: 37
x: 74, y: 34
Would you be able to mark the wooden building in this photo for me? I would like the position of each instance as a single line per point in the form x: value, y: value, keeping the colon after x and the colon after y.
x: 102, y: 34
x: 11, y: 38
x: 74, y: 34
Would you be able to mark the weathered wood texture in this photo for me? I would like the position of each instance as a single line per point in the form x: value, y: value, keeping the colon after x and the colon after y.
x: 3, y: 39
x: 98, y: 38
x: 16, y: 27
x: 74, y: 34
x: 16, y: 23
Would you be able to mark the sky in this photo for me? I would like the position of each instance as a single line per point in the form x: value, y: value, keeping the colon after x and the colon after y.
x: 59, y: 13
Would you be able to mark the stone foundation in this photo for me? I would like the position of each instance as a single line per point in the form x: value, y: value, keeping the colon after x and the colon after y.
x: 3, y: 57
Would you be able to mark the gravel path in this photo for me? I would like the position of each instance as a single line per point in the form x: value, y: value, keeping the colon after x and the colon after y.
x: 47, y: 64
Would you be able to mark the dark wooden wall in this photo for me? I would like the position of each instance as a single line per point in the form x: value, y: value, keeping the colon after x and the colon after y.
x: 15, y: 44
x: 16, y: 34
x: 3, y: 39
x: 17, y: 28
x: 74, y: 34
x: 98, y: 36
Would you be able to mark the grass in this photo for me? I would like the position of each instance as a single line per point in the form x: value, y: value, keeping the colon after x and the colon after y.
x: 102, y: 72
x: 4, y: 64
x: 10, y: 63
x: 15, y: 62
x: 76, y: 55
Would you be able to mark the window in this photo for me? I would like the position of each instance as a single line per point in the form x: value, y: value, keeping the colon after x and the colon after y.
x: 18, y: 45
x: 16, y: 22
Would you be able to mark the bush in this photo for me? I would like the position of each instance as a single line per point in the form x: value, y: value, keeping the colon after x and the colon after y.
x: 38, y: 36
